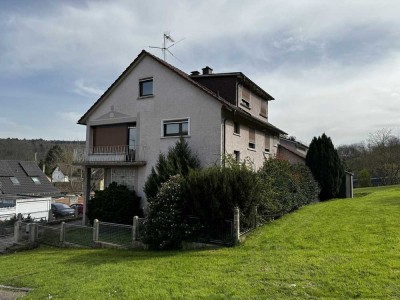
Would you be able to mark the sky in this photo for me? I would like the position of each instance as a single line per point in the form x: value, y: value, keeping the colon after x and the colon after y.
x: 332, y: 66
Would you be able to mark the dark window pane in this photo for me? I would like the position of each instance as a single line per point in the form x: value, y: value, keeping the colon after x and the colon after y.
x: 146, y: 87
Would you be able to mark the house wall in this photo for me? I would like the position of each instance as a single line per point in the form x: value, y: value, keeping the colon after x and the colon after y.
x: 240, y: 142
x: 285, y: 154
x: 255, y: 104
x: 58, y: 176
x: 174, y: 98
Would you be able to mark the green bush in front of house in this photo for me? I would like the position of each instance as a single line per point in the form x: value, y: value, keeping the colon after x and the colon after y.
x: 165, y: 227
x: 115, y: 204
x: 286, y: 187
x: 178, y: 160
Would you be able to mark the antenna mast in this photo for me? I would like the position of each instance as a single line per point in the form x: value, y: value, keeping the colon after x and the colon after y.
x: 164, y: 49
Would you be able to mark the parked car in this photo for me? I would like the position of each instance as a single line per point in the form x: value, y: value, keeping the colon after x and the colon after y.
x: 61, y: 210
x: 79, y: 206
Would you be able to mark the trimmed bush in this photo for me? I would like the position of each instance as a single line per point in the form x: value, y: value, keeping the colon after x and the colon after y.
x: 364, y: 178
x: 165, y: 227
x: 116, y: 204
x: 286, y: 187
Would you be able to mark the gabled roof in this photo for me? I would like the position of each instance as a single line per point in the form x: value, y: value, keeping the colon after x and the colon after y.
x: 184, y: 76
x: 23, y: 171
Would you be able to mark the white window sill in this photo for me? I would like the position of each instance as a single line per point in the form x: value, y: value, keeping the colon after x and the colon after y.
x: 145, y: 97
x: 251, y: 149
x: 175, y: 136
x: 237, y: 134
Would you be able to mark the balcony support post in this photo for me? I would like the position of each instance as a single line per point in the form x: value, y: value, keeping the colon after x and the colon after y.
x: 86, y: 193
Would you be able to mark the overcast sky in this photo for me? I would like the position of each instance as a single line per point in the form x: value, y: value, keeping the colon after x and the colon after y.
x: 332, y: 66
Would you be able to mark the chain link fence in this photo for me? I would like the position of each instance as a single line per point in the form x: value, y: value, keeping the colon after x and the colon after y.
x: 49, y: 235
x: 117, y: 234
x: 78, y: 235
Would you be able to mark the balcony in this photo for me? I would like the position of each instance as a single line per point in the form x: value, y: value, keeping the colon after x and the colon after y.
x: 101, y: 156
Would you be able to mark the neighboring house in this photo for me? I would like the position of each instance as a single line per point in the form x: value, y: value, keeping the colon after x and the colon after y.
x: 152, y: 104
x: 25, y: 189
x: 60, y: 174
x: 291, y: 150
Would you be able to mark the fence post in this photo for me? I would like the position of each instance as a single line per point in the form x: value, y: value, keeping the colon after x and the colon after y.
x: 96, y: 230
x: 50, y: 217
x: 62, y: 233
x: 33, y: 233
x: 236, y: 225
x: 17, y: 231
x: 135, y: 227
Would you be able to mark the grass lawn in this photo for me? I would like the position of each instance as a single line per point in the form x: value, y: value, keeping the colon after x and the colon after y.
x: 344, y: 249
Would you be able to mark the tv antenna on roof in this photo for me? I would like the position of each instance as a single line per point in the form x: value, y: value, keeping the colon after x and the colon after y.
x: 164, y: 48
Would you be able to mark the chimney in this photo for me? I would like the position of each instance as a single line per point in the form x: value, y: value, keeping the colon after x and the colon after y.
x: 194, y: 73
x: 207, y: 70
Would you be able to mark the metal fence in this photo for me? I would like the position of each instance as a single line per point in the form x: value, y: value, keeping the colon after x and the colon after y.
x: 78, y: 235
x: 49, y: 235
x: 219, y: 232
x: 117, y: 234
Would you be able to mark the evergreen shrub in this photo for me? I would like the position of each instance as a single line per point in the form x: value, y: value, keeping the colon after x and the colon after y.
x: 165, y: 227
x: 115, y: 204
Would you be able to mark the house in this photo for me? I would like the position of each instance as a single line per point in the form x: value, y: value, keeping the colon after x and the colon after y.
x: 60, y: 173
x: 152, y: 104
x: 291, y: 150
x: 24, y: 189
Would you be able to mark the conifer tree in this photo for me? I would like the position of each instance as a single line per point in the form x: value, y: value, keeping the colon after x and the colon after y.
x: 326, y: 167
x: 178, y: 160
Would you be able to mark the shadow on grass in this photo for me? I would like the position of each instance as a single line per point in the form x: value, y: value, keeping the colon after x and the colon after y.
x: 390, y: 202
x: 93, y: 257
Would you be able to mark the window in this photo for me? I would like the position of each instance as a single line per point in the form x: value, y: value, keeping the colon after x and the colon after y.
x: 236, y: 155
x: 176, y: 127
x: 14, y: 180
x: 245, y: 98
x: 35, y: 180
x: 263, y: 111
x: 267, y: 142
x: 245, y: 103
x: 236, y: 128
x: 146, y: 87
x: 252, y: 138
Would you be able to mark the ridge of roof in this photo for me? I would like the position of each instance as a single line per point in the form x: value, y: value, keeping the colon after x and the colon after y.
x: 184, y: 76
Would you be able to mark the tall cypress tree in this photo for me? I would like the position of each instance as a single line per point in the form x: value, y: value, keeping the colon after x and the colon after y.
x: 326, y: 167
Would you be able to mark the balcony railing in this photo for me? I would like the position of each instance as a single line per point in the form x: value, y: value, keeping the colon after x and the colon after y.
x: 120, y: 153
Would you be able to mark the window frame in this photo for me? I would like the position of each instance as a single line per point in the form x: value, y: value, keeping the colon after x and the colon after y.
x: 179, y: 121
x: 252, y: 143
x: 236, y: 128
x: 141, y: 82
x: 236, y: 155
x: 245, y: 103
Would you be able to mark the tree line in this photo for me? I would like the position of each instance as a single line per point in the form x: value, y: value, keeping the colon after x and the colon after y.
x: 375, y: 161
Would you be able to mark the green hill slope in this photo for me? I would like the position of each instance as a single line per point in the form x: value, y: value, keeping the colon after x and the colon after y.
x: 342, y: 249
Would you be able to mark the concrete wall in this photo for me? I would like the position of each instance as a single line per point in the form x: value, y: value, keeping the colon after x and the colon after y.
x: 174, y: 98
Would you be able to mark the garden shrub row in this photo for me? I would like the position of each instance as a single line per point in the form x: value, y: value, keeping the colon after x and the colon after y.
x: 210, y: 195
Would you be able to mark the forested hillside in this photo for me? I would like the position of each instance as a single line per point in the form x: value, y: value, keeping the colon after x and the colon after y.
x: 26, y: 149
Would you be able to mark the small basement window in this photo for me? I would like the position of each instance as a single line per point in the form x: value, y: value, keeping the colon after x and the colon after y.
x: 236, y: 155
x: 14, y: 180
x: 176, y: 127
x: 36, y: 180
x: 146, y: 87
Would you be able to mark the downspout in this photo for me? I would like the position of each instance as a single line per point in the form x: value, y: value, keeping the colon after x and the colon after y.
x: 224, y: 143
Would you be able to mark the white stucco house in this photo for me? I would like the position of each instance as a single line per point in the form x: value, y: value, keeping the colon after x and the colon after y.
x: 152, y: 104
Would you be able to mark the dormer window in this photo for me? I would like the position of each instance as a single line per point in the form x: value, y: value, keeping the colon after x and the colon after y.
x: 146, y: 87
